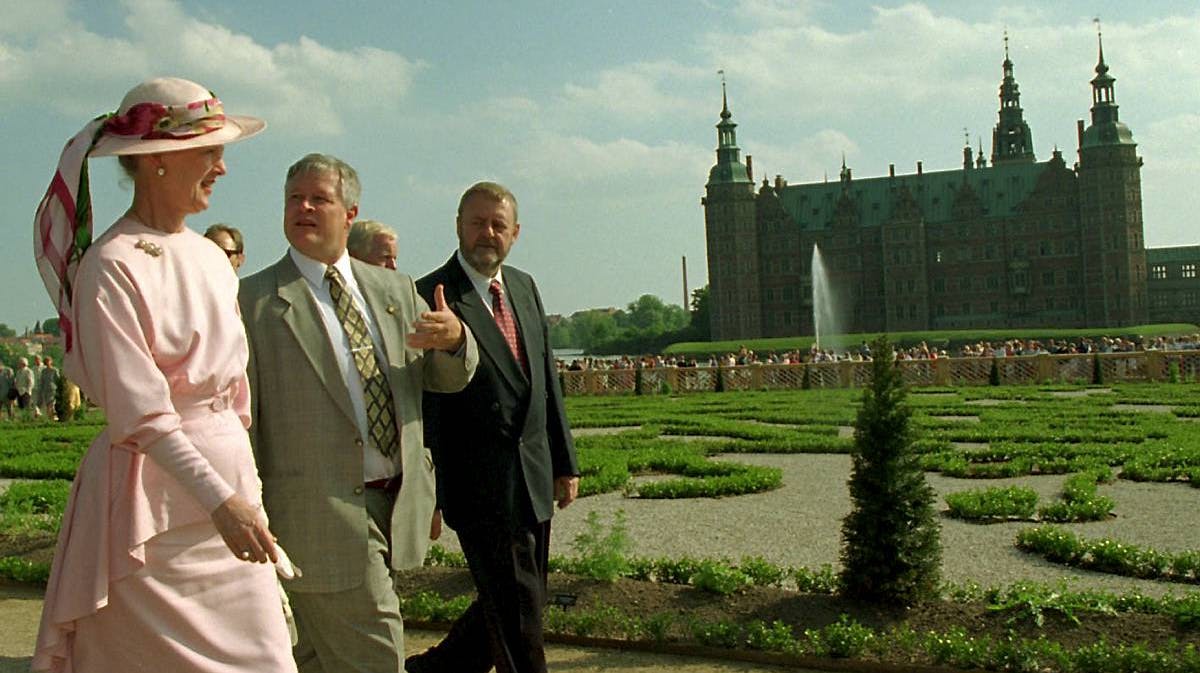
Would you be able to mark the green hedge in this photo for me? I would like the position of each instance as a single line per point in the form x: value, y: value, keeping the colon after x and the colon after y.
x: 1105, y: 555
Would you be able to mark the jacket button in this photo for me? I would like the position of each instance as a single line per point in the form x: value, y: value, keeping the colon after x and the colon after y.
x: 495, y: 406
x: 358, y: 442
x: 358, y: 490
x: 391, y: 310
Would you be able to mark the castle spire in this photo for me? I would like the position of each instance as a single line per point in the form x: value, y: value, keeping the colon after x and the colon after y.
x: 1011, y: 140
x: 729, y: 168
x: 1106, y: 128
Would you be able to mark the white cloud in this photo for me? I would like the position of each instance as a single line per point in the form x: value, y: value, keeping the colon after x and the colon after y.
x: 636, y: 90
x: 302, y: 86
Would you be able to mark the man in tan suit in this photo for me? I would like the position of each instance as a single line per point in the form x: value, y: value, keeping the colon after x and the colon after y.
x: 340, y: 353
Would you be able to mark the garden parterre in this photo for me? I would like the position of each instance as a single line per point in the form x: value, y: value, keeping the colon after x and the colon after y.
x: 679, y: 447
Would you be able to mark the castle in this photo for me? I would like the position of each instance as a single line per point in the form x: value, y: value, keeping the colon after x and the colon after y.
x: 1006, y: 243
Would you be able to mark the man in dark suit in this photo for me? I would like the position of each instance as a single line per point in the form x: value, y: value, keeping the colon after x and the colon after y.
x: 502, y: 446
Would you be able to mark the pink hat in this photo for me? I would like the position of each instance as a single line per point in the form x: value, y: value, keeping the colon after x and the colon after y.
x: 170, y: 114
x: 159, y: 115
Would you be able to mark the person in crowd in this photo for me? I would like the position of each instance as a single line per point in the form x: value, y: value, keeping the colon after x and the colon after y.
x: 8, y: 391
x: 340, y: 354
x: 25, y: 383
x: 373, y: 242
x: 501, y: 474
x: 162, y: 559
x: 229, y: 240
x: 47, y: 388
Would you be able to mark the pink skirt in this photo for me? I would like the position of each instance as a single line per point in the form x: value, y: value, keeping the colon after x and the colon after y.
x: 192, y: 607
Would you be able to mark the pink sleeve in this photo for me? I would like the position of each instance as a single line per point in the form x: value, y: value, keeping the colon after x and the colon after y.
x: 115, y: 332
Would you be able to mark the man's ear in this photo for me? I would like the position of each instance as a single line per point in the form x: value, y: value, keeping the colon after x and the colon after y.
x: 351, y: 214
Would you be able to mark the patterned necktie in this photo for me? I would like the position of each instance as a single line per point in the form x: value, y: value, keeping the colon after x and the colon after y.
x: 381, y: 413
x: 508, y: 326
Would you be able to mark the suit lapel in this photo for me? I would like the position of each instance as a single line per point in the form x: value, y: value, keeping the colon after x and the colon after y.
x: 529, y: 322
x: 298, y: 310
x: 469, y: 305
x: 384, y: 307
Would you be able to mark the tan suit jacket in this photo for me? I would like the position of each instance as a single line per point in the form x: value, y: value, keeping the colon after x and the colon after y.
x: 305, y: 438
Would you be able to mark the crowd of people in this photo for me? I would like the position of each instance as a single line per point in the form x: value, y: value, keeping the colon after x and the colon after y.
x: 31, y: 390
x: 862, y: 353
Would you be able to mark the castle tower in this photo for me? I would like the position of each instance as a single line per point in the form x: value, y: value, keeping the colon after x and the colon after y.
x: 1110, y: 209
x: 732, y: 237
x: 1011, y: 139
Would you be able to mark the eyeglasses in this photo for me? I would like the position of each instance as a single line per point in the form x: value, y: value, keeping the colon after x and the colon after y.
x: 231, y: 253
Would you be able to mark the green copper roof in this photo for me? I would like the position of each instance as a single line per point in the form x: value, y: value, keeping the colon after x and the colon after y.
x: 1178, y: 253
x: 1000, y: 189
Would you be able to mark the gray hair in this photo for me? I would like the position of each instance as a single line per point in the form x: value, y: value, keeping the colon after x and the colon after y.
x: 363, y: 233
x: 348, y: 184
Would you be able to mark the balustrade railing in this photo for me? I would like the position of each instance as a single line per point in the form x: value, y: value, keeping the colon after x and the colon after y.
x: 1140, y: 366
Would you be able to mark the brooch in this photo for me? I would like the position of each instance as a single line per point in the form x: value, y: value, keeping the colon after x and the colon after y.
x: 147, y: 247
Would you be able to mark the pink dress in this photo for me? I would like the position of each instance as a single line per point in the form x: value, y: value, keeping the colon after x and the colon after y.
x: 141, y: 579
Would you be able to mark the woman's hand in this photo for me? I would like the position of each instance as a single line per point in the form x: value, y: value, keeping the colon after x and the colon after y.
x: 244, y: 530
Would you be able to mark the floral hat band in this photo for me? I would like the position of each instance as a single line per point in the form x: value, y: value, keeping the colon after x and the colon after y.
x: 152, y: 121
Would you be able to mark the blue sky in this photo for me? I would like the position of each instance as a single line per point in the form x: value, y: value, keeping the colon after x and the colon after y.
x: 599, y: 115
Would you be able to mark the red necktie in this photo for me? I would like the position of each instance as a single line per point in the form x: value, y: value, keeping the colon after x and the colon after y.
x: 508, y: 326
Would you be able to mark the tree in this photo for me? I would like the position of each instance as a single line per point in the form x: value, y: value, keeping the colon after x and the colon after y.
x: 6, y: 331
x: 891, y: 550
x: 50, y: 326
x: 592, y: 327
x: 701, y: 318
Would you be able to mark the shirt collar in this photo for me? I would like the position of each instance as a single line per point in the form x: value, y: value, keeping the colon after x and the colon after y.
x: 314, y: 271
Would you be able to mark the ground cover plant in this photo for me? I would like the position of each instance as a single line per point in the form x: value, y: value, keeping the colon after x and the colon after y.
x: 691, y: 446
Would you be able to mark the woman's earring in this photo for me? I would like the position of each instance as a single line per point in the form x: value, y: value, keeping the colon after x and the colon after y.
x: 161, y: 171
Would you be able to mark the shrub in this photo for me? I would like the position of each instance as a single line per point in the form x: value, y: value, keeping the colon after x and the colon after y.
x: 720, y: 578
x: 843, y: 638
x: 997, y: 503
x: 891, y: 552
x: 994, y: 374
x: 603, y: 555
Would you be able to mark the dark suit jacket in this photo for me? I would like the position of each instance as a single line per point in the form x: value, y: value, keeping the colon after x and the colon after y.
x: 499, y: 443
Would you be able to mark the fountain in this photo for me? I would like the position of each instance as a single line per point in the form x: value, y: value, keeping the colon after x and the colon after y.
x: 825, y: 318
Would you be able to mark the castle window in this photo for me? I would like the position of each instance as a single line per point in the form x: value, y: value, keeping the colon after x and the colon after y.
x: 1048, y: 278
x: 1188, y: 270
x: 939, y: 284
x: 995, y: 307
x: 966, y: 308
x: 1158, y: 272
x: 937, y: 256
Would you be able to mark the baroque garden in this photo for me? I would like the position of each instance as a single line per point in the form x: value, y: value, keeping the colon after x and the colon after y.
x: 1065, y: 510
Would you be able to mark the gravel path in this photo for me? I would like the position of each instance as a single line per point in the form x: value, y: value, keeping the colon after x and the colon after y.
x: 800, y: 525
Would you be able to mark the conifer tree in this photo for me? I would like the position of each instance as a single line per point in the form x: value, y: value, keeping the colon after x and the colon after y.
x: 891, y: 550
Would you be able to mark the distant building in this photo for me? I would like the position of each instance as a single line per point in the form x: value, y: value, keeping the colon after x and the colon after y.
x: 1013, y: 242
x: 1174, y: 285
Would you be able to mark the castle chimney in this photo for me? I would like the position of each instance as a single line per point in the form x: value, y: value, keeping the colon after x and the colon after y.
x: 750, y: 168
x: 1079, y: 133
x: 920, y: 168
x: 891, y: 170
x: 779, y: 183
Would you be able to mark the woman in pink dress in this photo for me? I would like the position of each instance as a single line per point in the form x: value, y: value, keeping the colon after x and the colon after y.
x: 162, y: 561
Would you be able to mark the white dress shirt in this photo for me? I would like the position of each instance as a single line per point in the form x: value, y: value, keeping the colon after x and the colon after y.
x: 483, y: 284
x: 375, y: 464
